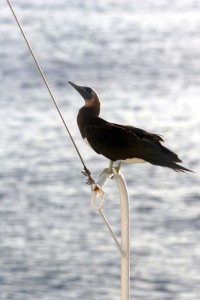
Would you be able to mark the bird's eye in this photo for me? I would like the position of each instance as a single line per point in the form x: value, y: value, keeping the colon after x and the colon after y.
x: 88, y: 90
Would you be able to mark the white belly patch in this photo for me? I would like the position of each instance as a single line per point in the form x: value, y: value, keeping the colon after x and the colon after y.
x: 133, y: 160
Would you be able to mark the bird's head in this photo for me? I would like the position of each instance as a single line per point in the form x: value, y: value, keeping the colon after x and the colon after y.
x: 89, y: 95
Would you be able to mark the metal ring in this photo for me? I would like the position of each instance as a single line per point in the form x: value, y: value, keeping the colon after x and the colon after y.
x: 97, y: 191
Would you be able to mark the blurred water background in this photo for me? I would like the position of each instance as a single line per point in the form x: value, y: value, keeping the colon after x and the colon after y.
x: 143, y: 58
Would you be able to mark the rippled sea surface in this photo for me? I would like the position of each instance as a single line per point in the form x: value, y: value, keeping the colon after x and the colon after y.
x: 143, y: 58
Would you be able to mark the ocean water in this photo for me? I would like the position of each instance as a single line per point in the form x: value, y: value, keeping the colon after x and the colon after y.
x: 143, y: 58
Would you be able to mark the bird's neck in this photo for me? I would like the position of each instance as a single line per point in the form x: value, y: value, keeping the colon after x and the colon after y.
x: 86, y: 116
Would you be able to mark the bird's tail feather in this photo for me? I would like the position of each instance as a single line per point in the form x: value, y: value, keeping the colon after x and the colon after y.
x: 170, y: 165
x: 169, y: 155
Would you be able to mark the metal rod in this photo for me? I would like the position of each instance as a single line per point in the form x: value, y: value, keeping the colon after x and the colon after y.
x: 111, y: 232
x: 125, y: 236
x: 47, y: 85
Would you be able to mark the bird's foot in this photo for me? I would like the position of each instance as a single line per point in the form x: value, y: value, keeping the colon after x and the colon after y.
x: 112, y: 169
x: 109, y: 169
x: 118, y: 167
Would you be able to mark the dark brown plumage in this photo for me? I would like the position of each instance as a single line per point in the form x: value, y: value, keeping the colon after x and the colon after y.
x: 121, y: 142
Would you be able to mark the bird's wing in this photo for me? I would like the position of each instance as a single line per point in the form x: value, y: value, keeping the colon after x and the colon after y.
x: 118, y: 143
x: 142, y: 133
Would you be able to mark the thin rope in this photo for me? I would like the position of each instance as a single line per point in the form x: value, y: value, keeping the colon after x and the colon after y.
x: 111, y: 232
x: 97, y: 190
x: 86, y: 172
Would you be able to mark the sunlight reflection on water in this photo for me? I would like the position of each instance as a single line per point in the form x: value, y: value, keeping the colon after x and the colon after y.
x: 143, y: 59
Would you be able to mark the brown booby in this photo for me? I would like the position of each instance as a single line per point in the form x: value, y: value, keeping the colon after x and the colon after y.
x: 121, y: 143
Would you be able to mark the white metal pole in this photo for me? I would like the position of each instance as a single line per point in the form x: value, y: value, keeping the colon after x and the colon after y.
x: 125, y: 236
x: 123, y: 247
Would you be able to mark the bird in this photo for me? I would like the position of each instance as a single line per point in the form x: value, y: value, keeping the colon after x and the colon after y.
x: 121, y: 143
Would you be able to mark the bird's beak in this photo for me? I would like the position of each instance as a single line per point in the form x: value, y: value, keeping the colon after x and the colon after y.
x: 79, y: 89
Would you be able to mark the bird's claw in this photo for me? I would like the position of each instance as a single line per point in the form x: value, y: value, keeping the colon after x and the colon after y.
x: 118, y: 167
x: 112, y: 169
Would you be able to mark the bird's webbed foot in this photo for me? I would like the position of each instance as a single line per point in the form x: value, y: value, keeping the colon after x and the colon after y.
x: 118, y: 167
x: 109, y: 169
x: 112, y: 168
